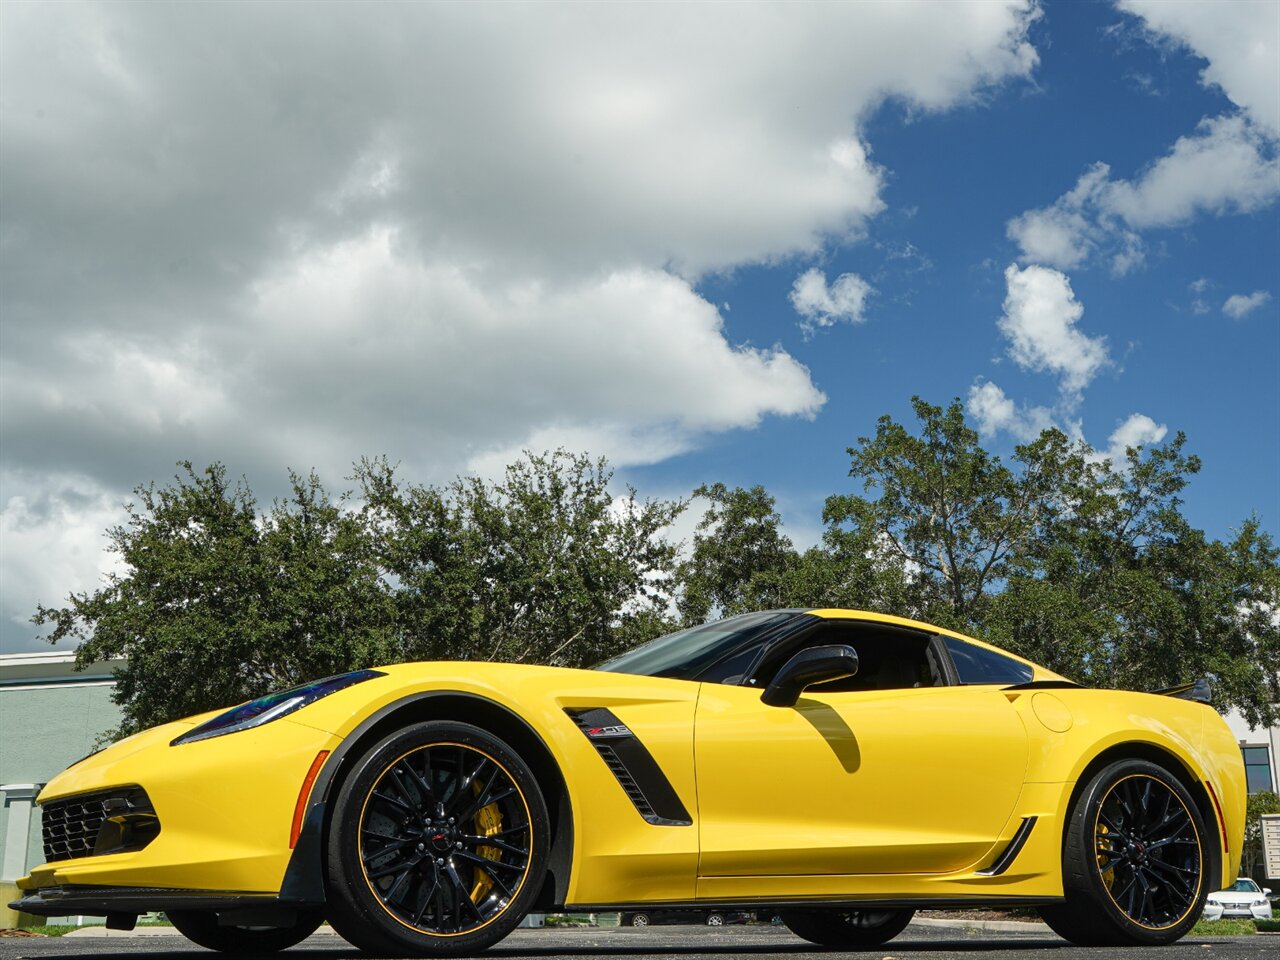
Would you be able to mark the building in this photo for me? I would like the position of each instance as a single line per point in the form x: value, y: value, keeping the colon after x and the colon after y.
x: 1260, y: 749
x: 50, y: 716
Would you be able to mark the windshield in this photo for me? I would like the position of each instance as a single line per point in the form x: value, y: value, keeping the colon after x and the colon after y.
x: 686, y: 654
x: 1244, y: 886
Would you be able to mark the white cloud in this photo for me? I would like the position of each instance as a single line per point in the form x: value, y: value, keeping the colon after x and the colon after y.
x: 996, y: 413
x: 1226, y: 167
x: 821, y: 305
x: 1240, y: 40
x: 1137, y: 430
x: 52, y: 537
x: 1040, y: 316
x: 441, y: 233
x: 1239, y: 305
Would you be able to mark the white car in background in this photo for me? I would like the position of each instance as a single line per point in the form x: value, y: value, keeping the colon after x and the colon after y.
x: 1244, y: 898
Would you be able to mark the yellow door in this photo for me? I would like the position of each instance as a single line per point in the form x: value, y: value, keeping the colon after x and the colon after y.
x: 868, y: 782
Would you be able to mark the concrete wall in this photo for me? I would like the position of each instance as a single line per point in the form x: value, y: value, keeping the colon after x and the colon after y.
x: 50, y: 717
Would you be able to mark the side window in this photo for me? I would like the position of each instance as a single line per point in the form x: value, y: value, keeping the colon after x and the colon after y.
x: 889, y: 658
x: 979, y: 665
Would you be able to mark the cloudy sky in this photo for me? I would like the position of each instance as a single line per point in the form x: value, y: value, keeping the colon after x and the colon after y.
x: 709, y: 241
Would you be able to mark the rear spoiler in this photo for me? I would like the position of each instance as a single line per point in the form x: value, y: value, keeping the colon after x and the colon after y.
x: 1197, y: 690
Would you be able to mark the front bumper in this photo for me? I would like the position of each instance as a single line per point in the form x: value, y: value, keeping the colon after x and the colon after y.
x: 71, y: 901
x: 1237, y: 911
x: 225, y: 808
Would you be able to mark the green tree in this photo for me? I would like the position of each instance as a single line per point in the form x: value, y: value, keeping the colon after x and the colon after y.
x: 544, y: 566
x: 1252, y: 861
x: 739, y: 555
x: 1078, y: 562
x: 941, y: 510
x: 216, y: 604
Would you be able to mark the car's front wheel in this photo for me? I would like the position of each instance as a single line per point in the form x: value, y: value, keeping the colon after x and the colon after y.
x: 438, y: 844
x: 201, y: 927
x: 1134, y: 860
x: 847, y: 928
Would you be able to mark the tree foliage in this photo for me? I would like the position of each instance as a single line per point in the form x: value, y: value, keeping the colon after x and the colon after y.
x: 1253, y: 860
x: 217, y: 603
x: 544, y: 566
x: 1075, y: 561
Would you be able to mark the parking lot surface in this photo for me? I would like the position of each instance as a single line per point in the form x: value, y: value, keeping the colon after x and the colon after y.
x: 918, y: 942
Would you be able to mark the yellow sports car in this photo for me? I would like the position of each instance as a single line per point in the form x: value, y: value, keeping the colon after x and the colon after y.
x: 837, y: 768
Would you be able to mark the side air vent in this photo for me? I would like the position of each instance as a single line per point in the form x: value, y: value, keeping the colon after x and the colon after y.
x: 1010, y: 853
x: 631, y: 763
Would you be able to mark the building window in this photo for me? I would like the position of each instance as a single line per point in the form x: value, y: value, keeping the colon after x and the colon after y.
x: 1257, y: 768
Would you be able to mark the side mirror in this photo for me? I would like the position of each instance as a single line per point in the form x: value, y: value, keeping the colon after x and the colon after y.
x: 1267, y: 891
x: 815, y: 665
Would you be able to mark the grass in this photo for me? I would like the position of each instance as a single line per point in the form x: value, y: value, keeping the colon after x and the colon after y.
x: 62, y: 929
x: 1223, y: 928
x: 1269, y: 926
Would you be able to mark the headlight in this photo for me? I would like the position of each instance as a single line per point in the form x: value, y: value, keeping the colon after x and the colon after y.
x: 273, y: 706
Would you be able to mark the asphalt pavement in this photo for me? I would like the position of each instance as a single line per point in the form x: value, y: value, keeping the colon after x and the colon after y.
x: 933, y: 941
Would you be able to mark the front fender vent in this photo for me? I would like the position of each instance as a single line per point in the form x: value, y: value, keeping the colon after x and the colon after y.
x: 631, y: 763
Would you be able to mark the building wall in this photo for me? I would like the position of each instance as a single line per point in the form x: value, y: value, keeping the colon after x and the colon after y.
x: 50, y: 717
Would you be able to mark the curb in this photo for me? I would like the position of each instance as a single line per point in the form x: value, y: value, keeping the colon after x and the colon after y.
x: 983, y: 926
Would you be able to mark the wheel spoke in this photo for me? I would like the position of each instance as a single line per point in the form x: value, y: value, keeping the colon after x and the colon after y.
x: 426, y: 902
x: 390, y: 895
x: 383, y: 851
x: 486, y: 862
x: 424, y: 788
x: 461, y: 895
x: 475, y: 841
x: 393, y: 776
x: 392, y: 801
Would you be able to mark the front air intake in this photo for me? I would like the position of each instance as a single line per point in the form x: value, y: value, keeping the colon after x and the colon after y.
x: 93, y: 824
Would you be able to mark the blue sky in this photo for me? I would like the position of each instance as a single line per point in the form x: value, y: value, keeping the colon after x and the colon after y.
x: 708, y: 241
x: 1102, y: 92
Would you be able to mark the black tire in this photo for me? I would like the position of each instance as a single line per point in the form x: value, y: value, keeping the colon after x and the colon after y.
x: 438, y: 844
x: 847, y: 928
x: 715, y: 919
x: 639, y: 920
x: 1134, y: 860
x: 201, y: 927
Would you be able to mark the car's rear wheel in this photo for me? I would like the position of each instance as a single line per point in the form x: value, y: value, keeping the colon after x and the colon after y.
x: 201, y: 927
x: 715, y: 919
x: 847, y: 928
x: 438, y: 843
x: 1134, y: 860
x: 639, y: 920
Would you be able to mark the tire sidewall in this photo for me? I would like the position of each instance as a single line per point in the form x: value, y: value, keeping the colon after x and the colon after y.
x: 370, y: 923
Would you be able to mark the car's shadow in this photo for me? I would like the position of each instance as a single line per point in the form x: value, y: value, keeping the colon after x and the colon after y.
x: 657, y: 948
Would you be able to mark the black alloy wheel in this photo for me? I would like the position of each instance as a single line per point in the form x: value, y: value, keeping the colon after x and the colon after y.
x: 201, y: 927
x: 1134, y: 860
x: 847, y: 928
x: 440, y: 843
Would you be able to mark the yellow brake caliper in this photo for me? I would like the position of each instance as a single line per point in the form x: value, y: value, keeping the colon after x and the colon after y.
x: 1104, y: 852
x: 488, y: 821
